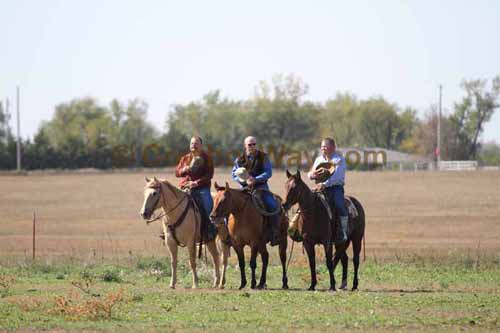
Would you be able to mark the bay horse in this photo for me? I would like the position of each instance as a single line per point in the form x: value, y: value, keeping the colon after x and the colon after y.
x: 181, y: 225
x: 316, y: 228
x: 246, y: 227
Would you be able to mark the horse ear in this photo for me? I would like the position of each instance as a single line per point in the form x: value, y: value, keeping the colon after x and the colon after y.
x: 298, y: 174
x: 227, y: 186
x: 217, y: 187
x: 155, y: 180
x: 288, y: 174
x: 147, y: 179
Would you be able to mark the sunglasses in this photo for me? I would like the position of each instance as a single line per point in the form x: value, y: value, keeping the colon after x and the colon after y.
x: 251, y: 144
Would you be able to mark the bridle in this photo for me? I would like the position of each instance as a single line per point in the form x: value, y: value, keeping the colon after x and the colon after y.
x: 160, y: 190
x: 297, y: 195
x: 220, y: 215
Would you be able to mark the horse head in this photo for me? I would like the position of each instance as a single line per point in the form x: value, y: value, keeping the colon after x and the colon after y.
x: 152, y: 196
x: 222, y: 203
x: 293, y: 189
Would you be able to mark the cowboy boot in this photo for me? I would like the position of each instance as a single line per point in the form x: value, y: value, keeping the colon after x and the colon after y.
x: 342, y: 232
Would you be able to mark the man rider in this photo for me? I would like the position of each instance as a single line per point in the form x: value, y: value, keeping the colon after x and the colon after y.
x: 196, y: 170
x: 259, y: 171
x: 333, y: 186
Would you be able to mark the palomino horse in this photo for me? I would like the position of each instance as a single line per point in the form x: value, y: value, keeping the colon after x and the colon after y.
x: 181, y: 224
x: 316, y: 228
x: 246, y: 227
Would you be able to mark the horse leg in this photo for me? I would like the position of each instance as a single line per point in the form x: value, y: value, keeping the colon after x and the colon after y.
x: 265, y: 261
x: 312, y: 263
x: 282, y: 249
x: 356, y: 249
x: 329, y: 263
x: 225, y: 255
x: 212, y: 248
x: 192, y: 263
x: 241, y: 262
x: 345, y: 262
x: 172, y: 248
x: 253, y: 266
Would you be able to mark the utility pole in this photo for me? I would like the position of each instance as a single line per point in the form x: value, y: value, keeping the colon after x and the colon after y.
x: 18, y: 134
x: 439, y: 127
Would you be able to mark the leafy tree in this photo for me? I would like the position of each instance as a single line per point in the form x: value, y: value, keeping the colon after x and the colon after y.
x: 7, y: 160
x: 489, y: 154
x: 380, y: 124
x: 423, y: 140
x: 340, y: 119
x: 470, y: 115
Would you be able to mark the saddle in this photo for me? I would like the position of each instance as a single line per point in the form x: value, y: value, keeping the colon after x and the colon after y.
x: 256, y: 197
x: 258, y: 203
x: 208, y: 231
x: 351, y: 208
x: 296, y: 235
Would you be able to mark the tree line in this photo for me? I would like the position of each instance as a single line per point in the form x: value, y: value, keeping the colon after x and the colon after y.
x: 84, y: 134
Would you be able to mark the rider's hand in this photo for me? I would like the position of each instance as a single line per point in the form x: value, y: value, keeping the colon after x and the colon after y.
x: 186, y: 169
x: 250, y: 180
x: 320, y: 172
x: 320, y: 187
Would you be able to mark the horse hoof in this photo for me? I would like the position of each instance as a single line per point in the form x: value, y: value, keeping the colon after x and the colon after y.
x: 354, y: 289
x: 243, y: 285
x: 343, y: 285
x: 285, y: 287
x: 311, y: 288
x: 172, y: 287
x: 332, y: 290
x: 261, y: 286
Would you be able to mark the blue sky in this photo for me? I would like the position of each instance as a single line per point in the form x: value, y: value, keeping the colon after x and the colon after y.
x: 169, y: 52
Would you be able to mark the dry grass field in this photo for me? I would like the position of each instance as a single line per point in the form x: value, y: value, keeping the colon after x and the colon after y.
x: 432, y: 261
x: 81, y: 215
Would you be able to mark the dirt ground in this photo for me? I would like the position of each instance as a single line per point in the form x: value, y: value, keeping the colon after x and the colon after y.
x: 87, y: 215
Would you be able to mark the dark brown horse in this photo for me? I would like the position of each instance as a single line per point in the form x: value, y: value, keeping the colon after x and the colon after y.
x: 316, y: 228
x: 246, y: 226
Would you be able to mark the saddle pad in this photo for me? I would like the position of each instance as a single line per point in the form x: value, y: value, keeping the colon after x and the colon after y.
x: 325, y: 203
x: 351, y: 208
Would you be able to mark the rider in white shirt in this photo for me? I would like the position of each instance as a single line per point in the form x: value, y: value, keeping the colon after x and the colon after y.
x: 333, y: 187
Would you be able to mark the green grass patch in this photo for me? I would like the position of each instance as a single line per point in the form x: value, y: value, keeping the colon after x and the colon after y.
x: 400, y: 295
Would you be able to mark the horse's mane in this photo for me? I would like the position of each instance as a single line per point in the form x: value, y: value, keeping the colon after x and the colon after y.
x: 173, y: 188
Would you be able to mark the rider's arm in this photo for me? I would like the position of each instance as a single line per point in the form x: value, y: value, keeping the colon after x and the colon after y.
x: 338, y: 177
x: 235, y: 178
x: 179, y: 172
x: 310, y: 174
x: 268, y: 172
x: 205, y: 179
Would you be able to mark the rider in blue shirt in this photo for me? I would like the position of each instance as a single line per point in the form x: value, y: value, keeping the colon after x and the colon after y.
x: 259, y: 170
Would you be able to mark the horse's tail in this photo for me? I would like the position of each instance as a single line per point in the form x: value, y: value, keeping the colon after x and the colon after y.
x: 362, y: 222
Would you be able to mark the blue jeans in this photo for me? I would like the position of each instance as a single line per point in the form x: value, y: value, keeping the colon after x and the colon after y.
x: 269, y: 201
x: 335, y: 195
x: 204, y: 197
x: 204, y: 201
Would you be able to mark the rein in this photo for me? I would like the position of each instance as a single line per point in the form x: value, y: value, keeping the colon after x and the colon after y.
x: 172, y: 226
x: 166, y: 213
